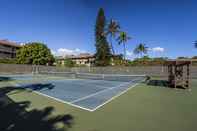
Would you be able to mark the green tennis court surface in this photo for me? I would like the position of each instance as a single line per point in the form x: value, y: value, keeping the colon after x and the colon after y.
x: 144, y: 108
x: 85, y: 91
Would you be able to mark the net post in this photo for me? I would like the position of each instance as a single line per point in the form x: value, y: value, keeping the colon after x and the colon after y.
x: 34, y: 69
x: 32, y: 72
x: 103, y: 76
x: 37, y: 69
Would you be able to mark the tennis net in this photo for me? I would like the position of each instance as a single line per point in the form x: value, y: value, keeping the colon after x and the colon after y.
x: 108, y: 77
x: 59, y: 74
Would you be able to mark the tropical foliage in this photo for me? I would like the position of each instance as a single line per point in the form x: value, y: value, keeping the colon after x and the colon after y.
x: 112, y: 29
x: 117, y: 60
x: 8, y: 61
x: 122, y: 39
x: 182, y: 57
x: 194, y: 57
x: 146, y: 61
x: 103, y: 53
x: 69, y: 63
x: 34, y: 53
x: 141, y: 49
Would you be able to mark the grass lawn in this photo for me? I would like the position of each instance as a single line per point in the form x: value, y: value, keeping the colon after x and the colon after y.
x: 143, y: 108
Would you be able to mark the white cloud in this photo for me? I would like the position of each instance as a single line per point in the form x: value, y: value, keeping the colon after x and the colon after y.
x: 53, y: 52
x: 22, y: 44
x: 129, y: 53
x: 157, y: 49
x: 64, y: 52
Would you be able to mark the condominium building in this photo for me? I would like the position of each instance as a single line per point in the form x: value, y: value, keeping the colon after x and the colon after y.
x: 8, y: 49
x: 81, y: 59
x: 84, y: 59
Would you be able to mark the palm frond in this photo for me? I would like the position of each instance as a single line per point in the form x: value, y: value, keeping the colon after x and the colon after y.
x: 195, y: 44
x: 120, y: 42
x: 141, y: 48
x: 113, y: 27
x: 128, y: 37
x: 136, y: 51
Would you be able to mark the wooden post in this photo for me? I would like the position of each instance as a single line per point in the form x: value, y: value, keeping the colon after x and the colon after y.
x: 175, y: 72
x: 188, y: 74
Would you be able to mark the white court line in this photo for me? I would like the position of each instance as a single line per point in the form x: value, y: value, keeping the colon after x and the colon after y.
x: 121, y: 93
x: 92, y: 74
x: 91, y: 110
x: 98, y: 92
x: 103, y: 91
x: 97, y: 86
x: 65, y: 102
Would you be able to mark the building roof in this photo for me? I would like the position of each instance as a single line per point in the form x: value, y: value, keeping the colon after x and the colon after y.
x: 83, y: 56
x: 80, y: 56
x: 9, y: 43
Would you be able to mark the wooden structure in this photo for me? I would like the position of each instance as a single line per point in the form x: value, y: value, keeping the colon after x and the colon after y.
x: 179, y: 73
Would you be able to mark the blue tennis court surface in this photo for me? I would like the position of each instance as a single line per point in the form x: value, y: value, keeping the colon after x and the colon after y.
x: 87, y: 94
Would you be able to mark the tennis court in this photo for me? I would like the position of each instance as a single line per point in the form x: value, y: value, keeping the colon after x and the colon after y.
x: 85, y: 91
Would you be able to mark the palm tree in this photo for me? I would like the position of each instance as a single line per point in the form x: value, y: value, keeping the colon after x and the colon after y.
x: 122, y: 39
x: 112, y: 29
x: 195, y: 44
x: 141, y: 49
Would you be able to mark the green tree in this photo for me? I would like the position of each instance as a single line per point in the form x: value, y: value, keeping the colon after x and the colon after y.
x: 160, y: 59
x: 194, y: 57
x: 122, y: 39
x: 102, y: 47
x: 117, y: 60
x: 182, y: 57
x: 8, y: 61
x: 68, y: 63
x: 112, y: 29
x: 34, y: 53
x: 141, y: 49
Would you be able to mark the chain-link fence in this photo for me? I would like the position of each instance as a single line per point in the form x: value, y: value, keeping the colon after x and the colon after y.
x: 133, y: 70
x: 15, y: 69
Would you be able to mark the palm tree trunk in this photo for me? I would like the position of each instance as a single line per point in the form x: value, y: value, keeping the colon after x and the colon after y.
x: 112, y: 49
x: 124, y: 51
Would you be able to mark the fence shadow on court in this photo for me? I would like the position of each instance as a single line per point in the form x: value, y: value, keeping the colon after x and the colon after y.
x: 161, y: 83
x: 15, y: 117
x: 31, y: 87
x: 38, y: 86
x: 2, y: 78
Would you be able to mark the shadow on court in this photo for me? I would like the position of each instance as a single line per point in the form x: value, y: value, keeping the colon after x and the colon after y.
x: 14, y: 117
x: 2, y: 78
x: 161, y: 83
x: 30, y: 87
x: 38, y: 86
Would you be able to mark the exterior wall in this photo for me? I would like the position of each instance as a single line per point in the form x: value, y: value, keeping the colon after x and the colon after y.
x: 84, y: 61
x: 7, y: 51
x: 81, y: 61
x: 89, y: 61
x: 4, y: 55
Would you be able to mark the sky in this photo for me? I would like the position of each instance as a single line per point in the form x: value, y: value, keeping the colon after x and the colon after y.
x: 167, y: 27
